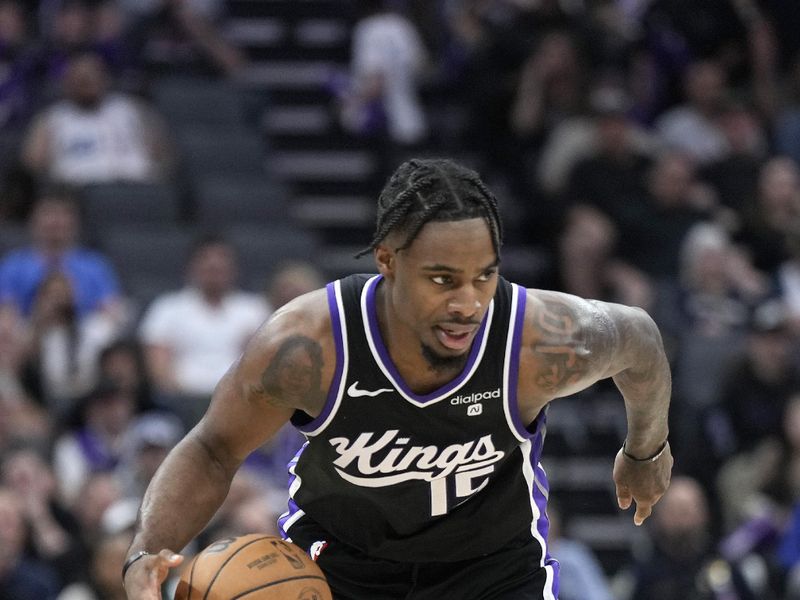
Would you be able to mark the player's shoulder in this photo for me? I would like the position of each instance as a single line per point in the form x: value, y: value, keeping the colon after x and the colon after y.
x: 306, y: 317
x: 561, y: 318
x: 548, y: 311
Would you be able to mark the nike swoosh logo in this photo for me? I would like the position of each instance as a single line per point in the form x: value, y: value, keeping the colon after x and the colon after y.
x: 354, y: 392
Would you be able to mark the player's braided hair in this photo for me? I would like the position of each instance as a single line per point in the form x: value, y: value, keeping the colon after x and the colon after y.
x: 423, y: 190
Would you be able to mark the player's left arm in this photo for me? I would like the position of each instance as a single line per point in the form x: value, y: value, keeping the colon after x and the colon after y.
x: 576, y: 342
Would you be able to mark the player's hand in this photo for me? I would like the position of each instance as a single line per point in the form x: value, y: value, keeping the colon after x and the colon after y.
x: 144, y: 577
x: 641, y: 482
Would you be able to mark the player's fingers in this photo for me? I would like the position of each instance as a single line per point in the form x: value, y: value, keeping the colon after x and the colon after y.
x: 166, y: 560
x: 642, y: 512
x: 624, y: 498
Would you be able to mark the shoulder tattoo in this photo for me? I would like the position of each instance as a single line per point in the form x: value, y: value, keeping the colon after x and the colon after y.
x: 293, y: 377
x: 569, y: 346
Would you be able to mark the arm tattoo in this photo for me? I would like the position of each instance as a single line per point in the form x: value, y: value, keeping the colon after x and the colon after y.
x: 292, y: 379
x: 562, y: 356
x: 569, y: 347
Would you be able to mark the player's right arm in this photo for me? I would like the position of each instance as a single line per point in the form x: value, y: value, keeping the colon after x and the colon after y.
x: 286, y: 366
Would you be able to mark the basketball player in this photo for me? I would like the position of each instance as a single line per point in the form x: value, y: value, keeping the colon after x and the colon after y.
x: 423, y: 394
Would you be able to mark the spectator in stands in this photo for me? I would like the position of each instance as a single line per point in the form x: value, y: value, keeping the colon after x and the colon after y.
x: 763, y: 482
x: 773, y: 215
x: 654, y: 229
x: 388, y: 59
x: 103, y: 582
x: 100, y: 491
x: 147, y: 441
x: 788, y: 279
x: 786, y: 127
x: 735, y: 175
x: 610, y: 154
x: 181, y: 37
x: 95, y: 135
x: 17, y: 69
x: 679, y: 544
x: 54, y: 532
x: 193, y: 335
x: 290, y: 280
x: 21, y: 578
x: 551, y: 86
x: 71, y: 27
x: 54, y: 232
x: 693, y: 127
x: 587, y: 262
x: 704, y: 316
x: 13, y: 334
x: 94, y: 443
x: 62, y: 350
x: 789, y: 468
x: 582, y: 575
x: 759, y: 381
x: 123, y: 362
x: 249, y: 503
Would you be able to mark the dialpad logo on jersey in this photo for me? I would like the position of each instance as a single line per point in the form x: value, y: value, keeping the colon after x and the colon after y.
x: 471, y: 398
x: 473, y: 401
x: 381, y: 460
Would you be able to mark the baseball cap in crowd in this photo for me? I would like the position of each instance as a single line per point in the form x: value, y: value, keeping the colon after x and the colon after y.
x: 153, y: 429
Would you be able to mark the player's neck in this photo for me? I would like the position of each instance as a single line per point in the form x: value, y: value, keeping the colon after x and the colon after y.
x: 406, y: 352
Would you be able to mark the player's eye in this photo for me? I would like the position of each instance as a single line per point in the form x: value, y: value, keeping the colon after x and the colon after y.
x: 487, y: 275
x: 441, y: 279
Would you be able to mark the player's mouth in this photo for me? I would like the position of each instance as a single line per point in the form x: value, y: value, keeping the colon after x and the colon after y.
x: 455, y: 337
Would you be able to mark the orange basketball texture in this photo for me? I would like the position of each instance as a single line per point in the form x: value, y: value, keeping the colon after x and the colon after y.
x: 252, y: 567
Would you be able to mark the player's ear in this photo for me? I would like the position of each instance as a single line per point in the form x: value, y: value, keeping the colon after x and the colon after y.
x: 385, y: 259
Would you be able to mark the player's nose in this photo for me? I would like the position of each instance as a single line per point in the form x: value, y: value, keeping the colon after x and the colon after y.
x: 464, y: 302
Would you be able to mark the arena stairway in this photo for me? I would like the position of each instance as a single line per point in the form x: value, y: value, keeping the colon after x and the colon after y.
x: 295, y: 48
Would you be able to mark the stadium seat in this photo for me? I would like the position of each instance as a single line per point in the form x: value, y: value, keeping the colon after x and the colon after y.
x: 264, y: 247
x: 149, y: 259
x: 224, y: 200
x: 127, y: 203
x: 232, y: 151
x: 184, y: 100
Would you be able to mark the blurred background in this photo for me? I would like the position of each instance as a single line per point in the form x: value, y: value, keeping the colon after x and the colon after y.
x: 172, y: 171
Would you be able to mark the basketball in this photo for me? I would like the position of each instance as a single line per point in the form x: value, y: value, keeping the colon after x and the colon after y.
x: 252, y: 567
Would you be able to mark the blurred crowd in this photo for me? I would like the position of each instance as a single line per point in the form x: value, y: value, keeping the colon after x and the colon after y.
x: 649, y: 150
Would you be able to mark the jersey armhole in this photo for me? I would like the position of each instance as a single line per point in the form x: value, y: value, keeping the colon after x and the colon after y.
x: 311, y: 426
x: 516, y: 324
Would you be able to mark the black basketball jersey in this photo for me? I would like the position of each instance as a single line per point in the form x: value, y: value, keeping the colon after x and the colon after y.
x: 445, y: 476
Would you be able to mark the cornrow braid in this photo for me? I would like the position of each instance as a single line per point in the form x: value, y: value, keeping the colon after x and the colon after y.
x: 425, y: 190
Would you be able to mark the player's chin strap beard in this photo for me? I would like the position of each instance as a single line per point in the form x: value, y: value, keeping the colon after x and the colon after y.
x: 441, y: 364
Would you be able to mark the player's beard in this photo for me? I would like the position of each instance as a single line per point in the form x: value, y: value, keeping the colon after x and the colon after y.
x: 441, y: 363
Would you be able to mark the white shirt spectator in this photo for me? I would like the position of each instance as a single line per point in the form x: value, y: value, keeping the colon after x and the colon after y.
x: 105, y: 144
x: 386, y: 45
x: 204, y: 339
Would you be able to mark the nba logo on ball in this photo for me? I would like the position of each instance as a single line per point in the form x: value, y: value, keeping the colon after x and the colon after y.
x: 310, y: 594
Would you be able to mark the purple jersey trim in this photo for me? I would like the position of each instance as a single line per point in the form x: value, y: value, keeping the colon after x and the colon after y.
x: 373, y: 331
x: 333, y: 390
x: 513, y: 367
x: 541, y: 490
x: 290, y: 515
